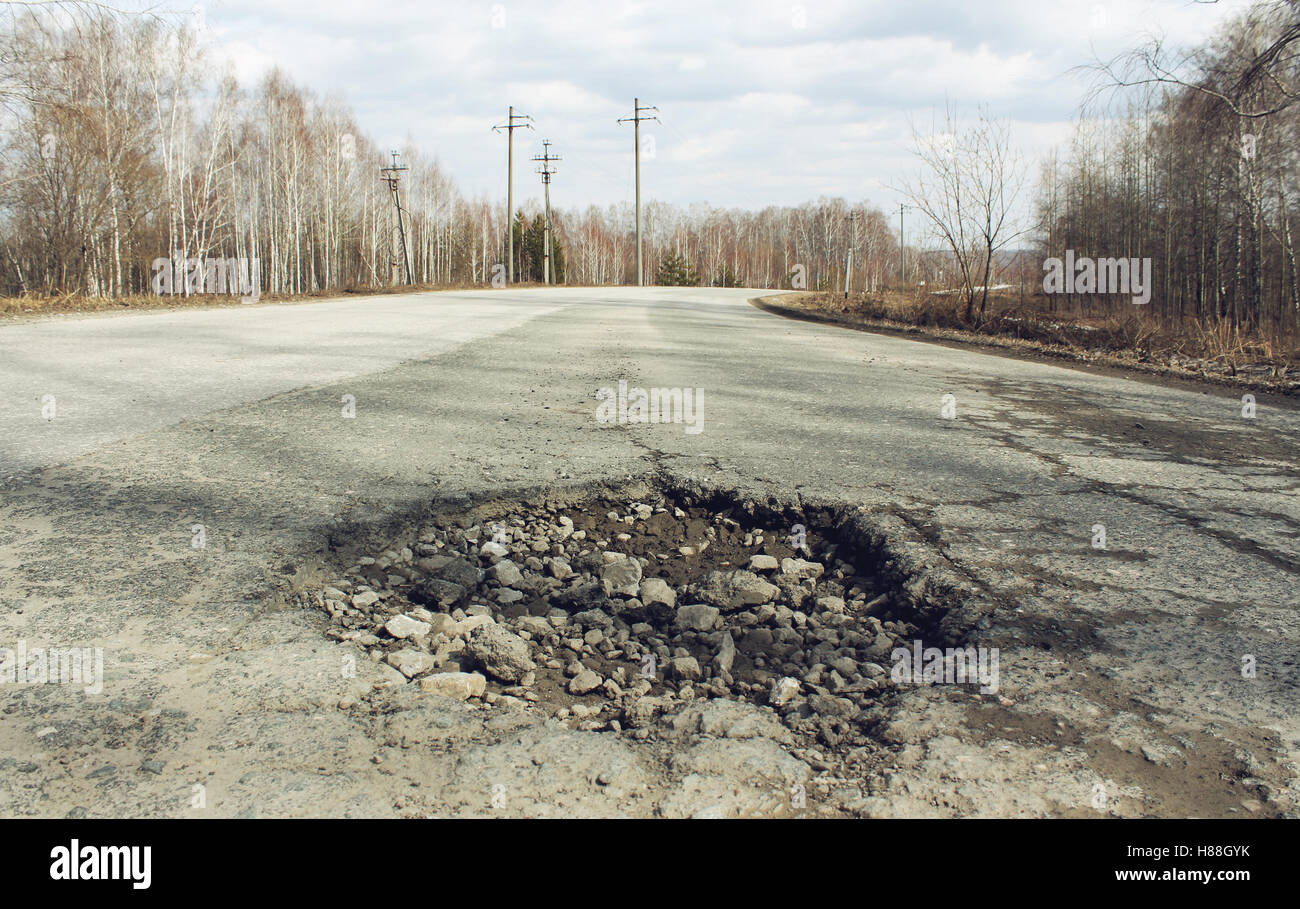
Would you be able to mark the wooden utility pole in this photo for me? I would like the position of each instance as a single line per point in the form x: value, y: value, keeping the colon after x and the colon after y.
x: 635, y: 120
x: 902, y: 247
x: 854, y: 217
x: 548, y: 267
x: 391, y: 174
x: 510, y: 126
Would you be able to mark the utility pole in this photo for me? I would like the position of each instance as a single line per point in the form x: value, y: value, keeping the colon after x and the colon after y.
x: 548, y: 270
x: 902, y: 247
x: 510, y: 126
x: 635, y: 120
x: 854, y: 217
x: 391, y: 174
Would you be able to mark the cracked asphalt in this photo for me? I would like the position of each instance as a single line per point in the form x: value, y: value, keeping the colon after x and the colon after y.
x: 1154, y: 676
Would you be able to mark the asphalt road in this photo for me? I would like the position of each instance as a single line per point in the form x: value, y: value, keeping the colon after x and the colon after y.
x: 1122, y: 691
x: 111, y: 377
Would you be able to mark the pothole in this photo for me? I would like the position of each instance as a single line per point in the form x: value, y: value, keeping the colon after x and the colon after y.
x: 615, y: 612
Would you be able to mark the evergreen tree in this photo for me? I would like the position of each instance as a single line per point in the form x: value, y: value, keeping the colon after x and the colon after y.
x: 726, y: 277
x: 530, y: 247
x: 675, y: 271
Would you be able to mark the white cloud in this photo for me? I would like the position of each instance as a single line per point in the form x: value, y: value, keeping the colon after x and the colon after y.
x: 756, y: 110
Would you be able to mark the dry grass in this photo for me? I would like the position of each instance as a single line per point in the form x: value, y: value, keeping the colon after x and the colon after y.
x: 1137, y: 337
x: 75, y: 303
x: 12, y: 306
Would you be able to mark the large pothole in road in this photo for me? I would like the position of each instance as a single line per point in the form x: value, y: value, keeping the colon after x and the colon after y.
x: 611, y: 613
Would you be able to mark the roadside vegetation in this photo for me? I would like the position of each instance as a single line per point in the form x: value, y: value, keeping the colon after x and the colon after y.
x: 1128, y: 339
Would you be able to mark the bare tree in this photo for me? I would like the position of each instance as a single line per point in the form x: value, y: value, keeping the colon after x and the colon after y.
x: 967, y: 190
x: 1260, y: 82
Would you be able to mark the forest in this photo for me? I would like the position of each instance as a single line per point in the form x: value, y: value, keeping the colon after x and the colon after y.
x: 122, y: 144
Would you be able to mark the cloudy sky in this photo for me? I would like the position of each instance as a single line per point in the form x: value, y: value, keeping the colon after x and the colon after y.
x: 761, y: 102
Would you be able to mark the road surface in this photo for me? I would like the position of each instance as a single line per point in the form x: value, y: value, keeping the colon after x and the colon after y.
x: 1154, y: 676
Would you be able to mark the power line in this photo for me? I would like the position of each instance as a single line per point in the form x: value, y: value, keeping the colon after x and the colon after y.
x: 510, y: 126
x: 636, y: 119
x: 854, y: 218
x: 548, y: 270
x: 391, y: 175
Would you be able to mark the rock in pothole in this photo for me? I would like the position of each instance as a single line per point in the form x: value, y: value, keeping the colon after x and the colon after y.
x: 636, y: 616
